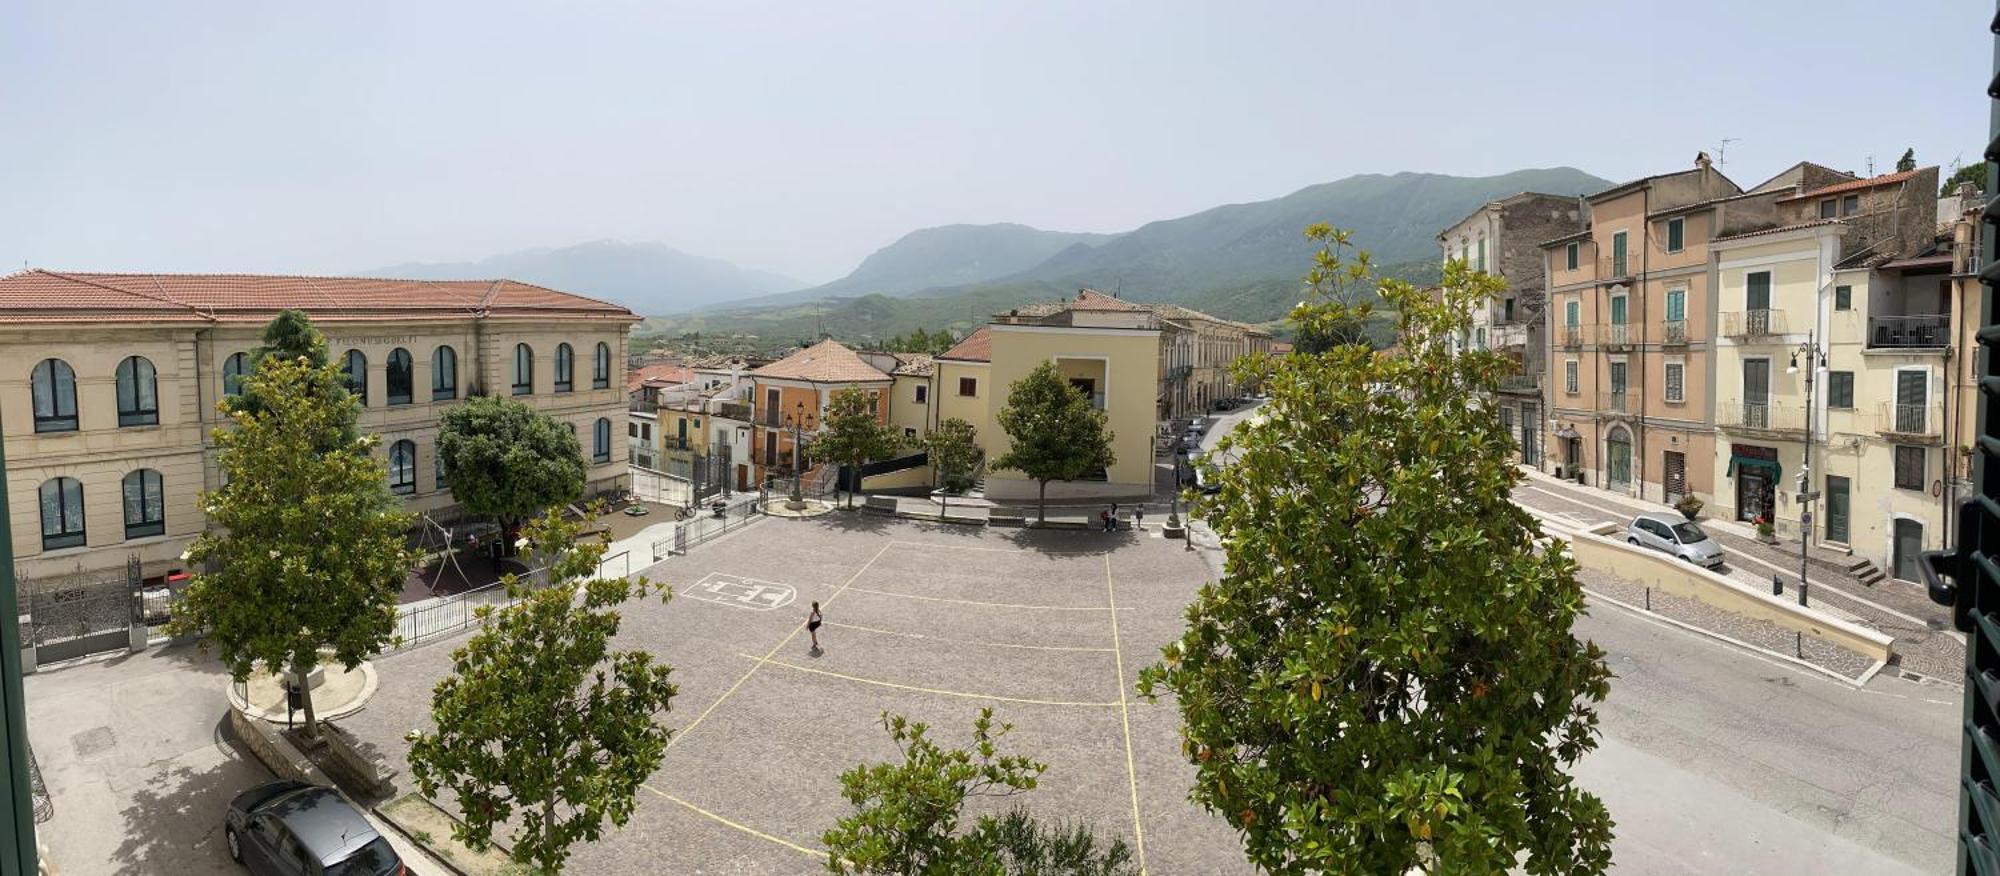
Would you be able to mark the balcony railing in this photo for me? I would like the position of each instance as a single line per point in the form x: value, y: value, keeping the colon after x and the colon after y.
x: 1910, y: 420
x: 1674, y: 331
x: 1742, y: 324
x: 1573, y: 336
x: 1617, y: 334
x: 1613, y: 267
x: 1759, y: 416
x: 1923, y: 330
x: 733, y: 410
x: 1521, y: 383
x: 1507, y: 335
x: 1614, y: 402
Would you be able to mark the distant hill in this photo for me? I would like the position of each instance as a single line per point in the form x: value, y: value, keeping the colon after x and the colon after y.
x: 943, y: 256
x: 647, y: 277
x: 1240, y: 261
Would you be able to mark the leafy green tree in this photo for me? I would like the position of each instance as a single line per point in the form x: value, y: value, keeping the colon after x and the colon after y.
x: 1385, y: 677
x: 954, y: 450
x: 1974, y: 173
x: 852, y: 434
x: 305, y: 542
x: 906, y: 815
x: 541, y: 725
x: 1056, y: 434
x: 289, y: 336
x: 1339, y: 276
x: 509, y: 462
x: 1908, y: 162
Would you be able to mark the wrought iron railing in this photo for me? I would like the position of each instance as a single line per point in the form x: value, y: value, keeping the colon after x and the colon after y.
x: 1742, y: 324
x: 1617, y: 334
x: 1674, y: 331
x: 1614, y: 401
x: 1921, y: 330
x: 1907, y: 419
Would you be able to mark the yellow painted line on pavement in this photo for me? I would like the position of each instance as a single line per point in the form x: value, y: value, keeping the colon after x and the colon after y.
x: 1125, y: 718
x: 984, y: 604
x: 963, y: 641
x: 684, y: 731
x: 817, y: 853
x: 929, y: 690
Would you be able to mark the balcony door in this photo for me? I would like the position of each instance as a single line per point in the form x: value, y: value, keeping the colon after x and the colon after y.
x: 1618, y: 383
x: 1618, y: 460
x: 1757, y: 393
x: 1836, y: 509
x: 1757, y: 303
x: 1912, y: 401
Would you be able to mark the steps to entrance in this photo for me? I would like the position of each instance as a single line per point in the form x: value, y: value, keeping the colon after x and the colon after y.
x: 1866, y: 572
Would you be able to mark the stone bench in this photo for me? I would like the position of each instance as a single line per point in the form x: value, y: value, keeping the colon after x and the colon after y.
x: 1010, y: 517
x: 879, y: 504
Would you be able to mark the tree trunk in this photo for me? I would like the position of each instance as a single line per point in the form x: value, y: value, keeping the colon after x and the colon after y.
x: 944, y: 504
x: 299, y: 677
x: 1042, y: 503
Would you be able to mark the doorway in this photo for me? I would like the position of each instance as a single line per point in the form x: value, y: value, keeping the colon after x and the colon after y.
x: 1836, y: 509
x: 1675, y: 473
x: 1618, y: 460
x: 1753, y: 493
x: 1908, y: 542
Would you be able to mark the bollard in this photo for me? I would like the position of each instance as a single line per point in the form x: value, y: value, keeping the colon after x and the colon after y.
x: 1649, y: 599
x: 1777, y: 586
x: 1803, y: 587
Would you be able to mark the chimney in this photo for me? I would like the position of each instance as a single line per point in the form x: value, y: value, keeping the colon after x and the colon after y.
x: 1701, y: 160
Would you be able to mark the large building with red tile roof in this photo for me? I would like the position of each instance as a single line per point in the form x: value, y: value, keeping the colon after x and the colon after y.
x: 794, y: 391
x: 109, y: 384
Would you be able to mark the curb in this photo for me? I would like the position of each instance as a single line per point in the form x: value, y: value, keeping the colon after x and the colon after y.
x: 1766, y: 652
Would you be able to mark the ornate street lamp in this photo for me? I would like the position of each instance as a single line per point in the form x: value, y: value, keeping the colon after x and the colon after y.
x: 1815, y: 356
x: 800, y: 423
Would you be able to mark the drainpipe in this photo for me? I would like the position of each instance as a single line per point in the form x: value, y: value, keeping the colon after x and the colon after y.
x: 1645, y: 262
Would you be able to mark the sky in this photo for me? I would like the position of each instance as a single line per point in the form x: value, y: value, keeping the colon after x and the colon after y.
x: 332, y: 138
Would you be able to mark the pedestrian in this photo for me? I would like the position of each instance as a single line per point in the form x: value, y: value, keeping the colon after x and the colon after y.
x: 1139, y: 517
x: 1104, y: 521
x: 812, y: 626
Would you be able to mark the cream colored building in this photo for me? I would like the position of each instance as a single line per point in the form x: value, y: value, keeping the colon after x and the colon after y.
x: 109, y: 385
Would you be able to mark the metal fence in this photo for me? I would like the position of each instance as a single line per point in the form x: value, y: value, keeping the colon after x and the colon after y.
x: 718, y: 517
x: 422, y: 622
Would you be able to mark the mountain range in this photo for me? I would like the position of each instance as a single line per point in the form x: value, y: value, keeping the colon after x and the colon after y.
x: 647, y: 277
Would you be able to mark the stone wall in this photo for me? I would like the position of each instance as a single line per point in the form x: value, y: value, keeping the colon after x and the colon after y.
x: 271, y: 748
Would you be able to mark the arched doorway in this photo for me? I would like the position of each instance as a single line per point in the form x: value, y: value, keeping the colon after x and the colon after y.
x: 1618, y: 459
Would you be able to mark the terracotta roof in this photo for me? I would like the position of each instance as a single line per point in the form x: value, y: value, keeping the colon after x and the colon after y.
x: 914, y: 364
x: 1780, y: 229
x: 51, y: 296
x: 657, y: 375
x: 1091, y: 299
x: 825, y: 362
x: 1837, y: 188
x: 1574, y: 235
x: 977, y: 347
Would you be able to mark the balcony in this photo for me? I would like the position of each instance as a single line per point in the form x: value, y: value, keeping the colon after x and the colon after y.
x: 1507, y: 335
x: 1617, y: 336
x: 1744, y: 325
x: 1522, y: 384
x: 1573, y: 336
x: 733, y: 410
x: 1674, y: 332
x: 1613, y: 267
x: 1766, y: 418
x: 1920, y: 331
x: 1908, y: 423
x: 1614, y: 402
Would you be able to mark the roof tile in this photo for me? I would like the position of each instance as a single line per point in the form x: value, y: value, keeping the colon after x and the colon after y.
x: 828, y: 361
x: 977, y: 347
x: 51, y: 296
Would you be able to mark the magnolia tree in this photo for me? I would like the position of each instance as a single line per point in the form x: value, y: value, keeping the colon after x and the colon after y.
x: 541, y: 725
x: 1385, y: 680
x: 509, y: 462
x: 1056, y: 434
x: 305, y: 550
x: 852, y: 434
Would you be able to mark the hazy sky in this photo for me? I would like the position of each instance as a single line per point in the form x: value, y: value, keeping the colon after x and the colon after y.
x: 333, y: 137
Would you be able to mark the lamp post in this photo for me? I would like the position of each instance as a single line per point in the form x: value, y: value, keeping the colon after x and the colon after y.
x: 799, y: 423
x: 1815, y: 357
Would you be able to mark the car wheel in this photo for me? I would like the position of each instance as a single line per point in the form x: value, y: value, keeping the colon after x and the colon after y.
x: 1632, y: 541
x: 235, y: 845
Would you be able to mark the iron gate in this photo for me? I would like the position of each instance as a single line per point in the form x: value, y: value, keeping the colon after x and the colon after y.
x: 81, y: 614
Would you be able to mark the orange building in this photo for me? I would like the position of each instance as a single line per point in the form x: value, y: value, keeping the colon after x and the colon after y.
x: 789, y: 398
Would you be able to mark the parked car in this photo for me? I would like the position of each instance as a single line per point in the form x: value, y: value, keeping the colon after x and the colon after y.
x: 1674, y: 535
x: 1225, y: 404
x: 297, y: 829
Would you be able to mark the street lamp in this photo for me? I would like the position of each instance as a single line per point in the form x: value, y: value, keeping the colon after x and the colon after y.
x: 1815, y: 357
x: 799, y: 423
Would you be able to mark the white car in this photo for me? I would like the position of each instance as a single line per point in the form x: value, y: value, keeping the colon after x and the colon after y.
x: 1673, y: 535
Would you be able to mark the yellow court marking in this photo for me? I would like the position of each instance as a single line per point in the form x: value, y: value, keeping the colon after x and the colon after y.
x: 929, y: 690
x: 817, y: 853
x: 985, y: 604
x: 684, y: 731
x: 964, y: 641
x: 1125, y: 718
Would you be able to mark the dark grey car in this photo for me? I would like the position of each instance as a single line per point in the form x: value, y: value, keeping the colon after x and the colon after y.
x: 296, y: 829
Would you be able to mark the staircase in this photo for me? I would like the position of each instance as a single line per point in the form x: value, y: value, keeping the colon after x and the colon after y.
x: 1866, y: 572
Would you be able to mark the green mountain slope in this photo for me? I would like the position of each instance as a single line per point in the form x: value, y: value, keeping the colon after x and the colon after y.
x: 944, y: 256
x: 647, y: 277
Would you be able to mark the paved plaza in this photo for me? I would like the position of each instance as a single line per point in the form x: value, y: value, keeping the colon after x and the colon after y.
x: 929, y: 621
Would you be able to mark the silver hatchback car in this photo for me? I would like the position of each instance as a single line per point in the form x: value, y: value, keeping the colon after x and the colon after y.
x: 1677, y: 536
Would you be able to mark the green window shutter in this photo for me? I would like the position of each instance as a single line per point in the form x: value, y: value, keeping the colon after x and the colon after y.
x: 1676, y: 235
x: 1676, y: 305
x: 1843, y: 297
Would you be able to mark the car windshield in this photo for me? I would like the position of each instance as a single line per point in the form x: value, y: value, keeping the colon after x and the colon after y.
x: 373, y: 859
x: 1689, y: 533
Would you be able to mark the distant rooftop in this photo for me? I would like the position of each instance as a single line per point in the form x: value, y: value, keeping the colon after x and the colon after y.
x: 52, y: 296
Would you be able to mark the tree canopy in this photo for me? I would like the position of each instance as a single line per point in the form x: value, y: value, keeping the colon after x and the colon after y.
x: 305, y: 541
x: 1056, y: 434
x: 852, y: 434
x: 1974, y: 173
x: 1908, y: 162
x: 953, y: 448
x: 1385, y: 677
x: 507, y: 461
x: 541, y: 725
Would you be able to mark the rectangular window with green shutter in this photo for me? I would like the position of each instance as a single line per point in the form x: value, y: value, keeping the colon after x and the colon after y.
x: 1843, y: 297
x: 1676, y: 234
x: 1840, y: 389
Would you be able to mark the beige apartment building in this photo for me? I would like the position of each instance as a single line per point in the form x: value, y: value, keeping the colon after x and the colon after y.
x: 109, y: 385
x: 1196, y: 351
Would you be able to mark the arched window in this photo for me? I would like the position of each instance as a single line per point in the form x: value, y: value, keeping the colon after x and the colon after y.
x: 600, y: 442
x: 403, y: 467
x: 600, y: 368
x: 437, y: 466
x: 55, y: 396
x: 62, y: 513
x: 444, y: 374
x: 524, y: 369
x: 357, y: 376
x: 138, y: 393
x: 234, y: 369
x: 145, y: 506
x: 565, y: 367
x: 401, y: 376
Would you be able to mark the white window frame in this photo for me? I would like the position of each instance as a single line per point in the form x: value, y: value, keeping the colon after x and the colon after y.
x: 1572, y: 381
x: 1676, y: 222
x: 1667, y: 381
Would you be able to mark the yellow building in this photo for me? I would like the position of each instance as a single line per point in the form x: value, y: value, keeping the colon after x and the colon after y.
x: 109, y: 385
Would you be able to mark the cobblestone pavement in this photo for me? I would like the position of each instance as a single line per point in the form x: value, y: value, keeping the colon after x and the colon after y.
x: 1924, y: 643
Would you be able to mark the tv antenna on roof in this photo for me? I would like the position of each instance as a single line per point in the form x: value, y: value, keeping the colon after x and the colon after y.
x: 1722, y: 151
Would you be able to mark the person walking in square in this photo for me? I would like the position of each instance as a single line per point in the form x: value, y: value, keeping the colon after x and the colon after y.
x: 813, y: 621
x: 1139, y: 517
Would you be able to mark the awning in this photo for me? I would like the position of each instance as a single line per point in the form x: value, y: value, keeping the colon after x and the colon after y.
x: 1567, y: 432
x: 1768, y: 466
